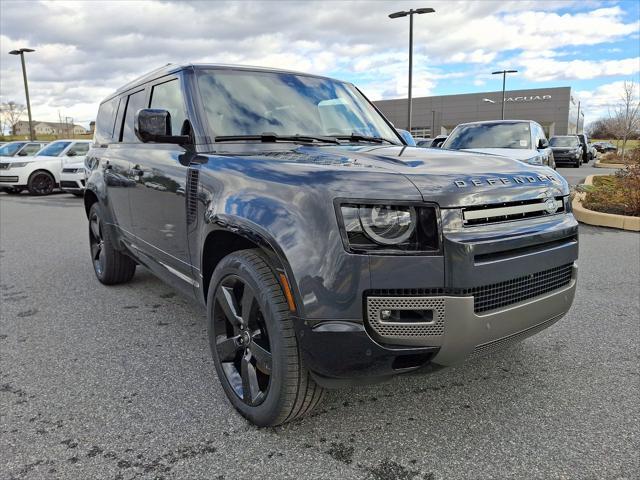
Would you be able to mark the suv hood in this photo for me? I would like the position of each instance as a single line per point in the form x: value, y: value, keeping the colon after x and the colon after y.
x: 450, y: 178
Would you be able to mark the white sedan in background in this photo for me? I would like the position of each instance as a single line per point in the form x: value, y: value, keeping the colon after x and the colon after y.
x: 41, y: 173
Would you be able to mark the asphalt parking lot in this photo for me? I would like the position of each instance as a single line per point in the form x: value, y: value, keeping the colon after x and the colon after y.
x: 118, y: 382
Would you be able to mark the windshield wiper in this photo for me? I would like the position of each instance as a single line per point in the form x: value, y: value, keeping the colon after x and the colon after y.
x: 274, y: 137
x: 356, y: 137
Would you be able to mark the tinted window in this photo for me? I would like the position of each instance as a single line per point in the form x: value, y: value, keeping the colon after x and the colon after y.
x: 135, y: 102
x: 106, y: 121
x: 53, y: 149
x: 10, y: 149
x: 79, y: 149
x: 563, y: 142
x: 168, y: 96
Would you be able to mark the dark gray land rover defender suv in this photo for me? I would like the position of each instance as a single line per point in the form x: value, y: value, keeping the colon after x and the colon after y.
x: 325, y: 251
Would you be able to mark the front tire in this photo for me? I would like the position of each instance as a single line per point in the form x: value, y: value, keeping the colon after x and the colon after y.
x: 253, y: 343
x: 110, y: 266
x: 577, y: 163
x: 41, y: 183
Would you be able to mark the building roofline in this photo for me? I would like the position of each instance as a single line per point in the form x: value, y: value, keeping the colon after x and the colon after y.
x: 498, y: 92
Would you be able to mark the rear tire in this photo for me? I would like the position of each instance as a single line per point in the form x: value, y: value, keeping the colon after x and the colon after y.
x: 254, y: 345
x: 41, y: 183
x: 577, y: 163
x: 110, y: 266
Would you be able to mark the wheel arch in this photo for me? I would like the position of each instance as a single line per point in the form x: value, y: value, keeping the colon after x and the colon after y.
x: 89, y: 199
x: 220, y: 242
x: 43, y: 170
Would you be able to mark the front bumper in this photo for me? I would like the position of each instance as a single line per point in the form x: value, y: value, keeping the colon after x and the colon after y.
x: 495, y: 284
x: 13, y: 177
x: 72, y: 182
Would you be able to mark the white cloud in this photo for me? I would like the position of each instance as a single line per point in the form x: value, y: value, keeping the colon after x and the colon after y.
x: 604, y: 99
x: 545, y: 69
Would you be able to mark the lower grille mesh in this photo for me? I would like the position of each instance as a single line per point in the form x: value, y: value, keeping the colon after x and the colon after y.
x: 490, y: 297
x: 496, y: 295
x: 506, y: 342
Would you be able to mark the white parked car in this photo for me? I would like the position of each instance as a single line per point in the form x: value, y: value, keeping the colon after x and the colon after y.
x: 522, y: 140
x: 73, y: 178
x: 40, y: 174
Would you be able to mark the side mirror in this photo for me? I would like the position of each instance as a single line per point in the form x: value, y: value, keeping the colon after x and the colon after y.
x: 407, y: 137
x: 154, y: 125
x: 71, y: 153
x: 543, y: 143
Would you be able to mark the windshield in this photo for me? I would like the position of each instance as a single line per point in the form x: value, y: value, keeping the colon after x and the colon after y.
x: 10, y: 149
x: 242, y: 103
x: 53, y: 149
x: 563, y: 142
x: 489, y: 135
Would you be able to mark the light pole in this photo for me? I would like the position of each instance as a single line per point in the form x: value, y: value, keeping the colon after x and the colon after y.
x: 578, y: 120
x: 21, y: 52
x: 504, y: 81
x: 410, y: 13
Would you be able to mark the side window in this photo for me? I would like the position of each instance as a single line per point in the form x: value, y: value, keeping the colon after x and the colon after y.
x: 105, y: 121
x: 30, y: 149
x: 168, y: 96
x: 135, y: 102
x: 78, y: 150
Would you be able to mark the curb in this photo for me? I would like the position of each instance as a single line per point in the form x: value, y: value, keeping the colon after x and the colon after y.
x: 600, y: 164
x: 600, y: 219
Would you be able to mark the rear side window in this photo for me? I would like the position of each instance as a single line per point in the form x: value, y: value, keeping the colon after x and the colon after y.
x: 168, y: 96
x: 106, y: 121
x: 135, y: 102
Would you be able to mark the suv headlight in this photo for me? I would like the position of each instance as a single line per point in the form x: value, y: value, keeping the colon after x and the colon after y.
x: 18, y: 164
x: 537, y: 160
x: 388, y: 228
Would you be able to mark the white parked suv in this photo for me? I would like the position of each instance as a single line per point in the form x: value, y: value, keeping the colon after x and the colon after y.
x: 73, y: 178
x: 41, y: 172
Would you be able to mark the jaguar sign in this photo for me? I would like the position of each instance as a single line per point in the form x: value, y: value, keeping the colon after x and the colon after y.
x: 528, y: 98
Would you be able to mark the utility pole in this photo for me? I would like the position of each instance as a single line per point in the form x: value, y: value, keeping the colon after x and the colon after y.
x: 504, y: 82
x: 21, y: 52
x: 410, y: 13
x: 578, y: 120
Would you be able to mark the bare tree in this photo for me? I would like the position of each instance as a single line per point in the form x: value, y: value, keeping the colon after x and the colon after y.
x: 11, y: 113
x: 625, y: 118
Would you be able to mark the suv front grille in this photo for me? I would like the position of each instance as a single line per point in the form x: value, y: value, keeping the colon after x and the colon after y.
x: 496, y: 295
x: 509, y: 211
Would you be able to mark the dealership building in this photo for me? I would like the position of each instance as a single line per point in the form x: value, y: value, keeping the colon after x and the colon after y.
x: 556, y: 109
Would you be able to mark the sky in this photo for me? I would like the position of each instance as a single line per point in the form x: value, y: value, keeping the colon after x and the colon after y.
x: 86, y: 50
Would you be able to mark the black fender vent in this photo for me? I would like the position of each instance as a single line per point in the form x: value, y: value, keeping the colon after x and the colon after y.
x: 192, y: 195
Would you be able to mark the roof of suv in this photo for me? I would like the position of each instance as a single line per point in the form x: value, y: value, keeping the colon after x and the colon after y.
x: 173, y: 68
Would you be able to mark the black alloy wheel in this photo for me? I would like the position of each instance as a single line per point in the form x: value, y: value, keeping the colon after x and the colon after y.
x: 110, y: 265
x: 253, y: 342
x: 96, y: 243
x: 242, y: 340
x: 41, y: 183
